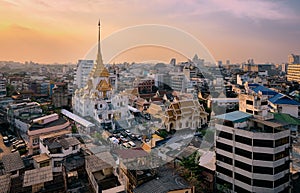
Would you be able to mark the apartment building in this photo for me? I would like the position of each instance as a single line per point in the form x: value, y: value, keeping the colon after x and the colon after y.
x: 252, y: 154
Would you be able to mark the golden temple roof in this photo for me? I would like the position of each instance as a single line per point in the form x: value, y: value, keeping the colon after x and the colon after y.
x: 104, y: 86
x: 99, y: 69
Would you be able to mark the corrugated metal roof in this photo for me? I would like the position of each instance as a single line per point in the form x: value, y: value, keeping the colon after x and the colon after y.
x: 4, y: 183
x: 12, y: 162
x: 37, y: 176
x: 236, y: 116
x: 264, y: 90
x: 283, y: 99
x: 76, y: 118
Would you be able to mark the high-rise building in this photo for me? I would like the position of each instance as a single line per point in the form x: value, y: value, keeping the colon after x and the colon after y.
x: 2, y: 87
x: 293, y: 72
x: 252, y: 149
x: 252, y: 155
x: 84, y: 68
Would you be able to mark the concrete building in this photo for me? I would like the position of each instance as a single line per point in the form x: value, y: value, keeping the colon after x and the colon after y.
x: 255, y: 104
x: 293, y: 72
x: 50, y: 124
x: 252, y: 155
x: 22, y: 110
x: 58, y: 148
x: 83, y: 70
x: 101, y: 173
x: 2, y: 87
x: 60, y: 95
x: 281, y: 103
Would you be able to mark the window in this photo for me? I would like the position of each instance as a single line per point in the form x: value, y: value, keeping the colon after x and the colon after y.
x: 57, y: 164
x: 243, y: 140
x: 239, y: 189
x: 282, y: 154
x: 224, y: 135
x: 224, y: 147
x: 282, y: 180
x: 263, y: 183
x: 243, y: 153
x: 264, y: 103
x: 263, y: 156
x: 262, y: 143
x: 242, y: 178
x: 282, y: 167
x: 249, y: 111
x: 44, y: 164
x: 35, y: 141
x: 224, y: 159
x: 242, y: 166
x: 249, y: 102
x: 282, y: 141
x: 224, y: 171
x: 262, y: 170
x: 74, y: 147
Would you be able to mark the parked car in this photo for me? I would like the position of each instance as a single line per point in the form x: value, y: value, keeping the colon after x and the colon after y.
x: 126, y: 145
x: 13, y: 150
x: 128, y: 132
x: 5, y: 140
x: 131, y: 144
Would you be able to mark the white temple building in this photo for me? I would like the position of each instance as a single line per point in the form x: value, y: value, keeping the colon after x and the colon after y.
x: 96, y: 99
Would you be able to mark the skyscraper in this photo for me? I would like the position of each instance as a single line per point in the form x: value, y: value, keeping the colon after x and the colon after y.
x: 293, y: 71
x: 84, y: 68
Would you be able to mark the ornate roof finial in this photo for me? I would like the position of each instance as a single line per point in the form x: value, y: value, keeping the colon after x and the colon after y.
x: 99, y: 69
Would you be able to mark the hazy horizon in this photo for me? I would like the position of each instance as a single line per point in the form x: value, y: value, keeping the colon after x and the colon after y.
x: 64, y: 31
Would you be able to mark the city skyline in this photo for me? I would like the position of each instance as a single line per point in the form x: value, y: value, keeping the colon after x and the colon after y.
x: 48, y: 32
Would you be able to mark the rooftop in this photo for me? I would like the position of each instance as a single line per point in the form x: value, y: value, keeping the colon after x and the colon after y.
x: 286, y: 119
x: 36, y: 126
x: 132, y: 153
x: 264, y: 90
x: 76, y: 118
x: 37, y: 176
x: 235, y: 116
x: 283, y: 99
x: 166, y: 181
x: 12, y: 162
x: 69, y: 142
x: 94, y: 163
x: 41, y: 157
x: 5, y: 183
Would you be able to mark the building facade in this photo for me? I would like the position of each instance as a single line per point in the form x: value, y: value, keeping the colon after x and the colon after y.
x: 84, y: 68
x: 252, y: 155
x: 293, y: 72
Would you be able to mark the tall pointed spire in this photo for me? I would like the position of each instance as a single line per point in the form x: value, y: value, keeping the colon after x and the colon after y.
x: 99, y: 68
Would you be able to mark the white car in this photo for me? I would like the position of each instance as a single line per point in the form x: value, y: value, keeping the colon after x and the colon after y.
x: 131, y: 144
x: 126, y: 145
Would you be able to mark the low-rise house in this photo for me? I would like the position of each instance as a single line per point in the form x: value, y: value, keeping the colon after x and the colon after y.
x: 36, y: 178
x: 5, y: 183
x: 166, y: 181
x: 284, y: 104
x: 101, y: 175
x: 58, y: 148
x: 13, y: 164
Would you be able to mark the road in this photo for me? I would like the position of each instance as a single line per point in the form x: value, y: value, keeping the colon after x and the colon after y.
x: 5, y: 150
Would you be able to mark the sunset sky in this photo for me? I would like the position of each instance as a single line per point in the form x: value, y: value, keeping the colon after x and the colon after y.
x: 64, y: 31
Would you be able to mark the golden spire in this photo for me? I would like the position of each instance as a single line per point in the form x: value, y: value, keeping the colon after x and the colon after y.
x: 99, y: 68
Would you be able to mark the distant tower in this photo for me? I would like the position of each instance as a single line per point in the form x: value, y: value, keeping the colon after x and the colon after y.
x: 293, y: 59
x: 173, y: 62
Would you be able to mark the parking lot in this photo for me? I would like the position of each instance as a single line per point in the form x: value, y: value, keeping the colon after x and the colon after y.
x: 3, y: 147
